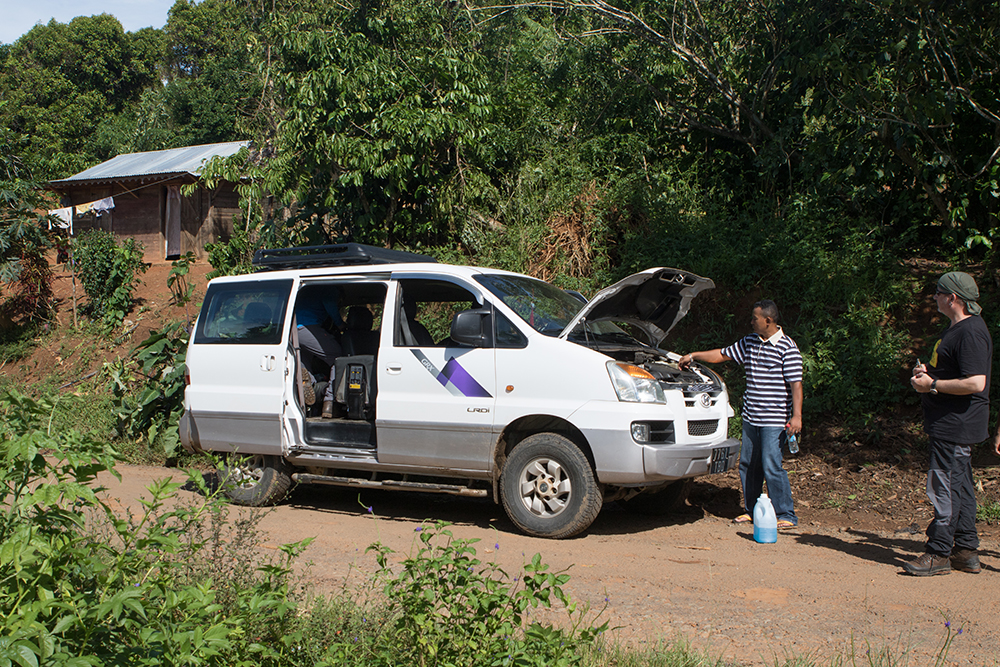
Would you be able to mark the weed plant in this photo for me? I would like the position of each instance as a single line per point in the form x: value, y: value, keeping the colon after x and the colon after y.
x: 109, y: 271
x: 181, y: 583
x: 148, y: 389
x: 17, y: 341
x: 988, y: 511
x: 450, y: 608
x: 83, y: 585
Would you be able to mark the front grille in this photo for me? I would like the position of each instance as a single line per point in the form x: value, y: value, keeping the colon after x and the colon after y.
x: 703, y: 427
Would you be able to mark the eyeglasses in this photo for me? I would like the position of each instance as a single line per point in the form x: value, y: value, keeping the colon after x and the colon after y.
x: 945, y: 293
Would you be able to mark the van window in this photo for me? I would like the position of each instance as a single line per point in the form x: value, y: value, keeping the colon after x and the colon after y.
x: 425, y: 311
x: 246, y: 313
x: 507, y: 335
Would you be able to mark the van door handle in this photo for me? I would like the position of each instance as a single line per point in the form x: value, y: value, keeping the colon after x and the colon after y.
x: 267, y: 363
x: 394, y: 369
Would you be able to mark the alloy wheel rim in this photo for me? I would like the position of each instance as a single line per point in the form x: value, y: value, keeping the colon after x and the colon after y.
x: 544, y: 487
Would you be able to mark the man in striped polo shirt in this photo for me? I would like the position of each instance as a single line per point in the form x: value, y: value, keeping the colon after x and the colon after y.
x: 772, y: 408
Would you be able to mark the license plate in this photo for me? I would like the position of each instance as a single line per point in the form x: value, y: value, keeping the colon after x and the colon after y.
x: 720, y: 460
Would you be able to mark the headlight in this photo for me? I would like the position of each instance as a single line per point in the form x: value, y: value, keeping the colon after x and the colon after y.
x: 634, y: 385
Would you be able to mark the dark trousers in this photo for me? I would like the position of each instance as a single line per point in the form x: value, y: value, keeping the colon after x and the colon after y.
x: 949, y: 487
x: 316, y: 343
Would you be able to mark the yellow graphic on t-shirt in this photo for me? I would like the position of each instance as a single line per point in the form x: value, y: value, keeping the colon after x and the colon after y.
x: 933, y: 361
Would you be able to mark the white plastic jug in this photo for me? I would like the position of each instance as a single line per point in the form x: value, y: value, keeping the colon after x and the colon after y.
x: 765, y: 523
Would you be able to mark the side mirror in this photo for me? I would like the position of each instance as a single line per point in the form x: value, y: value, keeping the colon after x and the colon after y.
x: 473, y: 327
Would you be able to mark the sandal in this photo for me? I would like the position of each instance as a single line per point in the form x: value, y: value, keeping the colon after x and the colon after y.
x: 784, y: 524
x: 743, y: 518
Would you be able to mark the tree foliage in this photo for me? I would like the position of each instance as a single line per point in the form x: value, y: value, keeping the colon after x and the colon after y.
x: 24, y: 240
x: 60, y: 80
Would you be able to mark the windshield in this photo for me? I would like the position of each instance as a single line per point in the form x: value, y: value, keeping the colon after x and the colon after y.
x: 546, y: 308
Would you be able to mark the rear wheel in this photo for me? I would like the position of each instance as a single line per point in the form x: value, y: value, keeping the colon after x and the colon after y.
x: 548, y: 487
x: 665, y: 500
x: 255, y: 479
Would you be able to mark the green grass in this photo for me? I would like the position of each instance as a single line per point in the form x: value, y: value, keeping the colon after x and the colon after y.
x: 17, y: 342
x: 988, y: 511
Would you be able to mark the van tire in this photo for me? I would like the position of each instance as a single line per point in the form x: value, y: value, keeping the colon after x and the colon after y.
x: 534, y: 503
x: 255, y: 480
x: 665, y: 500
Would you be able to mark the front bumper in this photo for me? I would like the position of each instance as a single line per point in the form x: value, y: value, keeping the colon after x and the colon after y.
x: 681, y: 461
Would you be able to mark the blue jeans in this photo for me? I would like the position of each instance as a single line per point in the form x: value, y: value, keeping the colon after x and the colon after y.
x: 760, y: 461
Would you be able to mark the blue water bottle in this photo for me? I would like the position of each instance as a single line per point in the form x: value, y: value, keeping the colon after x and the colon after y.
x: 765, y: 523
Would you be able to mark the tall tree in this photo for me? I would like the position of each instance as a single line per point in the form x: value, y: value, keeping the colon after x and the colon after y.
x: 381, y: 104
x: 211, y: 85
x: 60, y: 80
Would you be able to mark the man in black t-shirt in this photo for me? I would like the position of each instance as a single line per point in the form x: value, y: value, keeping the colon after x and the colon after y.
x: 955, y: 389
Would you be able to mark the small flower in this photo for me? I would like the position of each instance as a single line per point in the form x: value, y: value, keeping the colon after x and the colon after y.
x: 960, y: 631
x: 371, y: 509
x: 947, y: 624
x: 497, y: 546
x: 417, y: 530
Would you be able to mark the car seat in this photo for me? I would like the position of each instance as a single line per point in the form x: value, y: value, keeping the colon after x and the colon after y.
x: 256, y: 317
x: 358, y: 337
x: 414, y: 333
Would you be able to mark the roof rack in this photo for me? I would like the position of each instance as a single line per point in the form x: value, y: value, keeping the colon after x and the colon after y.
x: 341, y: 254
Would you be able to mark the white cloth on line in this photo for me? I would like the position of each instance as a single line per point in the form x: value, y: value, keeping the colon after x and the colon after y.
x: 64, y: 217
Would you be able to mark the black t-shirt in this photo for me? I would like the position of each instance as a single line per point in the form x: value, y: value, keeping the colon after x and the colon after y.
x: 965, y: 349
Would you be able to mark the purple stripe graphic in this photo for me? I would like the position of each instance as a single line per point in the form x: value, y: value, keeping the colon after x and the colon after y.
x: 454, y: 378
x: 465, y: 382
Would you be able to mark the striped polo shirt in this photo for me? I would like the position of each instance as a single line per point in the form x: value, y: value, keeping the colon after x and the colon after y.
x: 771, y: 366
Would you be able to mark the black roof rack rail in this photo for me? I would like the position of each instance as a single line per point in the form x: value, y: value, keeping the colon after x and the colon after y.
x: 341, y: 254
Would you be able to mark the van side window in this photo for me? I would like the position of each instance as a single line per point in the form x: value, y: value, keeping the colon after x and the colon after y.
x: 507, y: 335
x: 247, y: 313
x: 425, y: 309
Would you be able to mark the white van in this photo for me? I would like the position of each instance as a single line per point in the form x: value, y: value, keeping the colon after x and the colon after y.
x: 495, y: 385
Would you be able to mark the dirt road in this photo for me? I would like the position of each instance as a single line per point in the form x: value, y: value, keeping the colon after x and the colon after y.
x: 698, y: 577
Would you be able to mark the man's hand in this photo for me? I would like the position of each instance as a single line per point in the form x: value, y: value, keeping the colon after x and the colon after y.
x: 920, y: 380
x: 794, y: 425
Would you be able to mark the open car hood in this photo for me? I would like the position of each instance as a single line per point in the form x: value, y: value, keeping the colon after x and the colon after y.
x: 653, y: 300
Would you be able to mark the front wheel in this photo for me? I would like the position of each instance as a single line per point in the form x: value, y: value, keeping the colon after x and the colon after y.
x: 548, y: 487
x: 255, y: 479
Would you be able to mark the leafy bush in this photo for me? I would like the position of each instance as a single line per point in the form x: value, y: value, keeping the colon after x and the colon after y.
x: 232, y: 257
x: 109, y: 273
x: 149, y: 388
x: 82, y: 585
x: 448, y: 608
x: 181, y: 584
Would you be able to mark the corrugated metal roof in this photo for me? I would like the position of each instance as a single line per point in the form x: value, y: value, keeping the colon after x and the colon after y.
x: 189, y: 160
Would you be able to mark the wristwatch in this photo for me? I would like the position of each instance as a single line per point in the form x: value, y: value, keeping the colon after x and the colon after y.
x: 934, y: 387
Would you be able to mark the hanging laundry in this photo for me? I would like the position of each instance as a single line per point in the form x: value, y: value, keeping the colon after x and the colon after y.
x: 64, y: 216
x: 98, y: 207
x: 102, y: 205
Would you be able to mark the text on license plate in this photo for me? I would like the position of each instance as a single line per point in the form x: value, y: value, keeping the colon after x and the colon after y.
x: 720, y: 460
